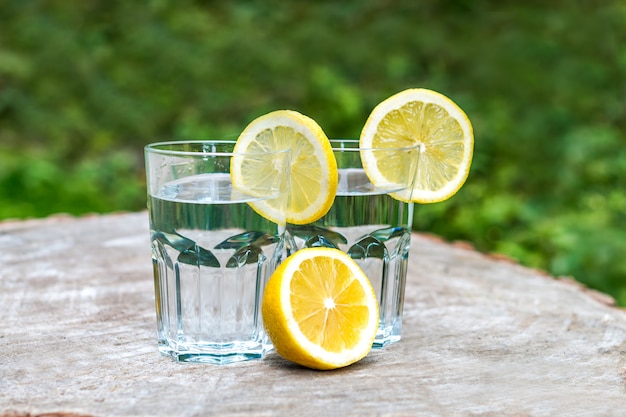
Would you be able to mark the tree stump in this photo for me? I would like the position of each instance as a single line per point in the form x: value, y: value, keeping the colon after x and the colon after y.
x: 482, y: 336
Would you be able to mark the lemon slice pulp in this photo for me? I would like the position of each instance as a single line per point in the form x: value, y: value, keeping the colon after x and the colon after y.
x: 312, y: 181
x: 320, y: 310
x: 441, y: 130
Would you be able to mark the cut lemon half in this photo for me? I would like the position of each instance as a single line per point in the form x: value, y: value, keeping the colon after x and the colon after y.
x: 313, y: 169
x: 441, y: 130
x: 320, y: 310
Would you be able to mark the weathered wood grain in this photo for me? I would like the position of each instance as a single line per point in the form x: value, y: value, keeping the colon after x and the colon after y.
x: 483, y: 336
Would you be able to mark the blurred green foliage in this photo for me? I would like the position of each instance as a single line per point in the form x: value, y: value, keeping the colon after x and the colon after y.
x: 85, y: 85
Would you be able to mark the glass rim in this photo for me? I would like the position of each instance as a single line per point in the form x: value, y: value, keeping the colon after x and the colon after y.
x: 155, y: 148
x: 357, y: 148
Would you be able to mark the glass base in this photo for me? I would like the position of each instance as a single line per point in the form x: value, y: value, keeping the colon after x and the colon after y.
x: 380, y: 343
x: 214, y: 354
x: 388, y: 335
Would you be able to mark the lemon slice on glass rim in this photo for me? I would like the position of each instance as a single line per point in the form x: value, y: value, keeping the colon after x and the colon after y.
x: 313, y: 170
x: 439, y: 127
x: 320, y: 310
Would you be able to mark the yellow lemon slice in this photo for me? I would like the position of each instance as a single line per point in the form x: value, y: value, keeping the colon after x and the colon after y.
x: 320, y: 310
x: 313, y: 169
x: 440, y: 128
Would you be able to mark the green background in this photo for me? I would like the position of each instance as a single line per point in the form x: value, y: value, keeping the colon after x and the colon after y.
x: 85, y: 85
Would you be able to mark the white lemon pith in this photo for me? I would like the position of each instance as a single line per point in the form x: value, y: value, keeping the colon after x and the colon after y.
x: 320, y: 310
x: 441, y: 130
x: 313, y: 169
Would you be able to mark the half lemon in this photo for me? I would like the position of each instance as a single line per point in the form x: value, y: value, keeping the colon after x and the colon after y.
x: 320, y: 310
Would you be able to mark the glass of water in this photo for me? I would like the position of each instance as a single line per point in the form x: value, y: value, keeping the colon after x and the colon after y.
x: 370, y: 225
x: 211, y: 252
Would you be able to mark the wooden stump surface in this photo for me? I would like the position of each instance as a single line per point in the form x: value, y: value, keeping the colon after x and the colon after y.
x: 482, y: 336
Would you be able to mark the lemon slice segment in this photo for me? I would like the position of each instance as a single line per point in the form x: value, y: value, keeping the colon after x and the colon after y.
x: 441, y: 130
x: 313, y: 170
x: 320, y: 310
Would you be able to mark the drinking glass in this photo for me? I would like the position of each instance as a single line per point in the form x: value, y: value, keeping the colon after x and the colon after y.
x: 371, y: 226
x: 211, y: 252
